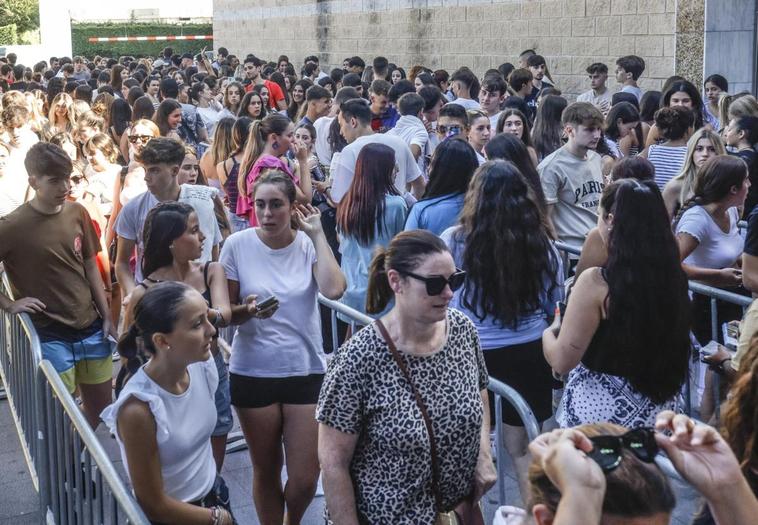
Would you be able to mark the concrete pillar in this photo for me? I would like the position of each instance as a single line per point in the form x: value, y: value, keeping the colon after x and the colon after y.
x: 730, y: 42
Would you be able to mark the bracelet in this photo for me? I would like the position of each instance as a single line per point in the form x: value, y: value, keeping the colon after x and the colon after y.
x: 215, y: 516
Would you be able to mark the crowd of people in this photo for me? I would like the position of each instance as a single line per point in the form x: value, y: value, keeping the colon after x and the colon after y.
x: 147, y: 203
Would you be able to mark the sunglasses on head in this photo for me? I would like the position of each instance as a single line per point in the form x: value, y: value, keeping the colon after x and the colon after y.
x: 137, y: 138
x: 436, y: 283
x: 607, y: 450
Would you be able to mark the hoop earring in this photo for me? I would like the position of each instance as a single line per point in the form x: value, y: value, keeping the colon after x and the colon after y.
x: 275, y: 145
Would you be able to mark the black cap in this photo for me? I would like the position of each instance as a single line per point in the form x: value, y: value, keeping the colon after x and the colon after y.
x: 188, y: 55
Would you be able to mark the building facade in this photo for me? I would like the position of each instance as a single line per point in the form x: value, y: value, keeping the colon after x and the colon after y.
x: 692, y: 38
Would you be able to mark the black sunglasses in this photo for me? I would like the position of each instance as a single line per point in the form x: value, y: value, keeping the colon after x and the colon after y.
x: 137, y: 138
x: 607, y: 450
x: 437, y: 283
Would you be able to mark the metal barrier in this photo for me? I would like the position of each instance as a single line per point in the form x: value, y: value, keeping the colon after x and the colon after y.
x: 715, y: 295
x: 76, y: 480
x: 78, y: 483
x: 20, y: 355
x: 498, y: 388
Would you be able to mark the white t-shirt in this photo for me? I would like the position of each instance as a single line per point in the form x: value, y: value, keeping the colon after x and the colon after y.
x: 322, y: 147
x: 600, y: 101
x: 131, y: 221
x: 412, y: 130
x: 184, y: 424
x: 634, y: 90
x: 466, y: 103
x: 574, y: 186
x: 716, y: 249
x: 289, y: 342
x: 210, y: 118
x: 493, y: 122
x: 343, y: 169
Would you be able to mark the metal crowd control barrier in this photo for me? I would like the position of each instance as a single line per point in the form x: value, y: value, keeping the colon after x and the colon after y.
x: 498, y: 388
x: 78, y: 483
x: 715, y: 295
x: 76, y: 480
x: 19, y: 357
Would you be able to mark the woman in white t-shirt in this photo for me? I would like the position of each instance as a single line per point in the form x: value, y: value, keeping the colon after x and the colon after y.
x: 165, y: 414
x: 709, y: 240
x: 277, y: 362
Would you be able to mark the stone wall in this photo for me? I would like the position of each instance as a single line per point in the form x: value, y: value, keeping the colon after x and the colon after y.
x: 481, y: 34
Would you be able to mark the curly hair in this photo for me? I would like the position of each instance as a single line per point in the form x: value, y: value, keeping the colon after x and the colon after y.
x: 508, y: 254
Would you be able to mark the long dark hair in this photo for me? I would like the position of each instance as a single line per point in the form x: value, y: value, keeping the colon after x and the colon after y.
x: 242, y: 112
x: 165, y: 109
x: 294, y: 110
x: 685, y: 86
x: 157, y: 312
x: 121, y: 115
x: 648, y: 305
x: 649, y: 104
x: 405, y: 253
x: 362, y: 210
x: 453, y: 164
x: 508, y: 255
x: 624, y: 111
x: 526, y: 132
x: 509, y: 147
x: 547, y: 132
x: 715, y: 180
x: 164, y: 224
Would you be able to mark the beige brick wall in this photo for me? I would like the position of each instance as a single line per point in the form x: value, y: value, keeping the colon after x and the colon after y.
x: 447, y: 34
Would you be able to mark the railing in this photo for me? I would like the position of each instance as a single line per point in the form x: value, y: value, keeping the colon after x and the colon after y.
x: 78, y: 483
x: 715, y: 295
x: 76, y: 480
x: 498, y: 388
x: 20, y: 355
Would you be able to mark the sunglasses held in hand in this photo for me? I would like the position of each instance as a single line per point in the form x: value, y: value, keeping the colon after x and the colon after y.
x: 607, y: 450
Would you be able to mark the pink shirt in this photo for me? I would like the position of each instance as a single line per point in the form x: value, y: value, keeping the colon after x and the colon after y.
x: 245, y: 204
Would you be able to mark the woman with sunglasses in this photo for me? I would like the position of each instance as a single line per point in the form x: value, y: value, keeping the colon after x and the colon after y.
x: 375, y: 443
x: 132, y: 182
x: 624, y: 340
x: 509, y: 303
x: 605, y: 473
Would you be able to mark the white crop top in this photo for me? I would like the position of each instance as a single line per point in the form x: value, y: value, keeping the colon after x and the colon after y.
x: 184, y: 424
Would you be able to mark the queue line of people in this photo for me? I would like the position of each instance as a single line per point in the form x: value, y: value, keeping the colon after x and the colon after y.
x: 295, y: 196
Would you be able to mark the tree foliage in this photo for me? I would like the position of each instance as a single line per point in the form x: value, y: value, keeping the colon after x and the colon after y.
x: 23, y: 13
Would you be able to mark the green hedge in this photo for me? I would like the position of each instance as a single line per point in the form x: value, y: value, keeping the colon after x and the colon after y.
x: 81, y: 32
x: 8, y: 35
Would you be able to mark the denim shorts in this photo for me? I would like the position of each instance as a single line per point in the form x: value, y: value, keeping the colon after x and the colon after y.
x: 223, y: 398
x: 87, y: 362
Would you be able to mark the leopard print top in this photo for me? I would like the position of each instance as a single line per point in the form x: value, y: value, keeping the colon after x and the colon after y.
x: 365, y: 393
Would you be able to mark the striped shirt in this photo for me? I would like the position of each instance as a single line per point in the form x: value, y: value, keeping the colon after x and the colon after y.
x: 668, y: 162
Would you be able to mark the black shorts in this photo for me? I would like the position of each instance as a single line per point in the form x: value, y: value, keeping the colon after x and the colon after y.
x: 522, y: 367
x: 259, y: 392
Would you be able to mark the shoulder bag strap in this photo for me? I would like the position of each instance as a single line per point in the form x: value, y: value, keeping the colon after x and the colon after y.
x: 421, y: 407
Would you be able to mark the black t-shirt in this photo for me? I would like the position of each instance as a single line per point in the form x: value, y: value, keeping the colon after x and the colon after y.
x: 751, y: 241
x: 751, y: 159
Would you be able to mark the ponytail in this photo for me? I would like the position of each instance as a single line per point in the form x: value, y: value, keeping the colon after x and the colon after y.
x: 253, y: 149
x: 689, y: 203
x: 259, y: 131
x: 405, y: 252
x: 379, y: 292
x: 128, y: 344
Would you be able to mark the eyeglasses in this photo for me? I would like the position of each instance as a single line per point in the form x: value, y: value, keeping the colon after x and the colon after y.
x: 607, y: 450
x: 139, y: 138
x: 436, y: 283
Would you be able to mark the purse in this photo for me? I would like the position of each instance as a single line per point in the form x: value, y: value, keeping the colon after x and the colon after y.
x: 442, y: 518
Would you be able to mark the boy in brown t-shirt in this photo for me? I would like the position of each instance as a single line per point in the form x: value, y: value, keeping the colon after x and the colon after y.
x: 48, y: 248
